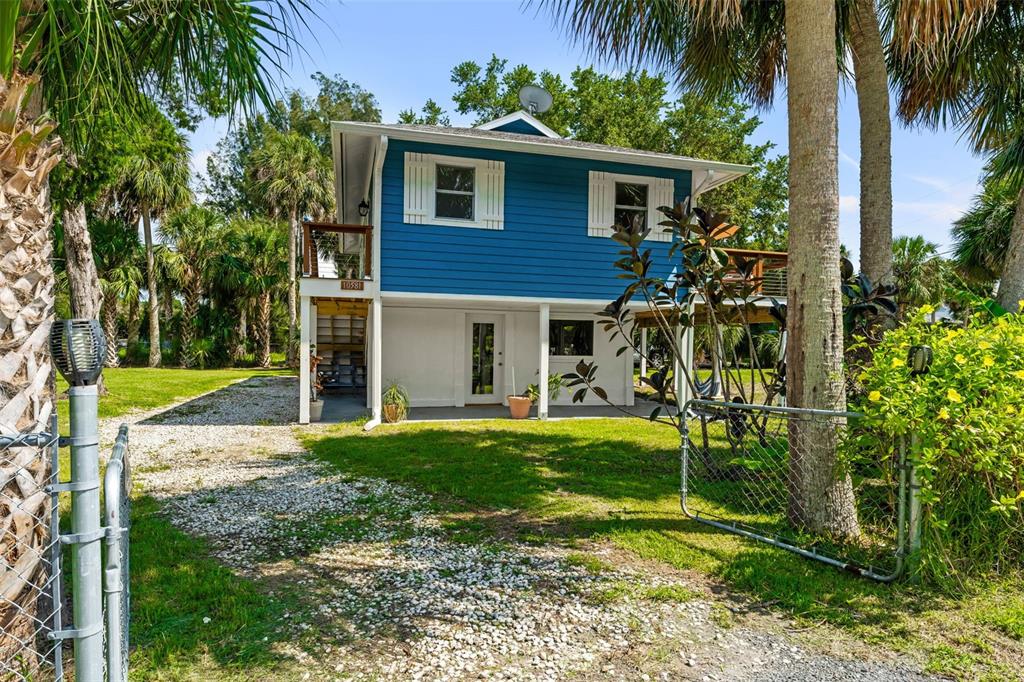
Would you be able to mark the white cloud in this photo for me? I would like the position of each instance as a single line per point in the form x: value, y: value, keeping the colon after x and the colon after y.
x: 198, y: 160
x: 849, y: 202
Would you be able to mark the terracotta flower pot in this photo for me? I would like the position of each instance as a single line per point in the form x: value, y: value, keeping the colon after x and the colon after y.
x: 519, y: 407
x: 392, y: 413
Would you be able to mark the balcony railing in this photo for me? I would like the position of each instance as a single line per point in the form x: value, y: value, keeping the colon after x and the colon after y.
x: 333, y: 251
x: 769, y: 272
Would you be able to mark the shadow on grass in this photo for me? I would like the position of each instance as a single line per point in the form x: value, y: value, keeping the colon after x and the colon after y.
x: 175, y: 586
x: 570, y: 481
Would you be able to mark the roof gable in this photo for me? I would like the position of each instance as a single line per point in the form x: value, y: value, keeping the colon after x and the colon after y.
x: 519, y: 122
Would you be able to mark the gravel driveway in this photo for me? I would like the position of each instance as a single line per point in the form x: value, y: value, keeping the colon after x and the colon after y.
x: 390, y: 593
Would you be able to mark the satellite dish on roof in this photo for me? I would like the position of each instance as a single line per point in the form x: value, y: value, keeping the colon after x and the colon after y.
x: 534, y: 99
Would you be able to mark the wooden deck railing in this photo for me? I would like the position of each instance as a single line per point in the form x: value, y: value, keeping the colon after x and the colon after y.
x: 327, y: 252
x: 769, y: 269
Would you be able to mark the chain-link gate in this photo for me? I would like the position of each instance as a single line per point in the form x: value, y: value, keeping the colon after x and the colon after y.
x: 741, y: 474
x: 31, y: 600
x: 117, y: 488
x: 35, y: 619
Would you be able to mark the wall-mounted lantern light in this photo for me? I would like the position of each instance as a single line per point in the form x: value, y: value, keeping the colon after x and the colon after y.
x: 919, y: 359
x: 364, y: 209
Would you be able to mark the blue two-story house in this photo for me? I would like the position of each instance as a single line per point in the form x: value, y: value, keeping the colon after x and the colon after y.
x: 467, y: 262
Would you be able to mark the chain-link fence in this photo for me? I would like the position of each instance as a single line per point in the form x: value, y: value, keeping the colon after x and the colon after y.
x: 758, y: 471
x: 117, y: 520
x: 30, y: 582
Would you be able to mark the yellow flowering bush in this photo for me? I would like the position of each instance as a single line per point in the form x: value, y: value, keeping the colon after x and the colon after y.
x: 968, y: 416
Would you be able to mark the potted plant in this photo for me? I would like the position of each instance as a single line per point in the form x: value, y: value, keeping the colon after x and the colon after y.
x: 519, y: 405
x: 395, y: 402
x: 316, y: 405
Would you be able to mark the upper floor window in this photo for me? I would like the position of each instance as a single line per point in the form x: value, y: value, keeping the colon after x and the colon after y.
x: 631, y: 203
x: 617, y: 199
x: 454, y: 191
x: 454, y: 194
x: 571, y: 337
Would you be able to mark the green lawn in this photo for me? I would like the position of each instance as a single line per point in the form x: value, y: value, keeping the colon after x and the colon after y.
x: 617, y: 480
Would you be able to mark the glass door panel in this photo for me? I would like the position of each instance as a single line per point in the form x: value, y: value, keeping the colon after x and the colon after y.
x: 482, y: 363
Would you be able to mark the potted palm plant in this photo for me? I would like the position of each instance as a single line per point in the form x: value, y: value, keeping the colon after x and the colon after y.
x: 519, y: 405
x: 395, y: 403
x: 316, y: 404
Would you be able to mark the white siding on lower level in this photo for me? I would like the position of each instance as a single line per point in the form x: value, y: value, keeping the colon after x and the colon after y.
x: 424, y: 349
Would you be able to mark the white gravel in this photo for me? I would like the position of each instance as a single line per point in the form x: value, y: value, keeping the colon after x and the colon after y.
x: 390, y: 594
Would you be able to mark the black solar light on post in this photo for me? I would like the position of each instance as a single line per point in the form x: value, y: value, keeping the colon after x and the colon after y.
x: 919, y: 360
x: 78, y: 349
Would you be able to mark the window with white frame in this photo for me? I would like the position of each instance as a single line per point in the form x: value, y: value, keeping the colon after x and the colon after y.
x: 571, y: 338
x: 617, y: 199
x: 454, y: 194
x: 454, y: 191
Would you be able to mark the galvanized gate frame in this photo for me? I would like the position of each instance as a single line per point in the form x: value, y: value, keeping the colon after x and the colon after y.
x: 116, y: 521
x: 695, y: 406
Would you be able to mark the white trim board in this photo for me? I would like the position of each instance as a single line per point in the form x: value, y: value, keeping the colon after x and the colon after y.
x: 725, y: 172
x: 523, y: 116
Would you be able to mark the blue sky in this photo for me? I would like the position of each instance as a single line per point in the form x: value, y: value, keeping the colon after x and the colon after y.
x: 403, y: 52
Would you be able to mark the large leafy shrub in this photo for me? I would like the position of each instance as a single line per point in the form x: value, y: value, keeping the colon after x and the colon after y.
x: 968, y: 417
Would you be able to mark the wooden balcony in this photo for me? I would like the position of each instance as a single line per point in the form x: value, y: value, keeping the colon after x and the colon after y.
x: 335, y: 251
x: 769, y: 273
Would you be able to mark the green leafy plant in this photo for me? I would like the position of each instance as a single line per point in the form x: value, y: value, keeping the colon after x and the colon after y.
x: 397, y: 398
x: 555, y: 384
x: 968, y: 446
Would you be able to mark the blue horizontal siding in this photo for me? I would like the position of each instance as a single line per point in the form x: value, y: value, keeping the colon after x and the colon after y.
x: 544, y: 250
x: 519, y: 126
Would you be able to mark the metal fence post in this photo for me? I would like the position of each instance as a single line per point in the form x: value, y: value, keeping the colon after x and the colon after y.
x: 86, y: 533
x: 116, y: 518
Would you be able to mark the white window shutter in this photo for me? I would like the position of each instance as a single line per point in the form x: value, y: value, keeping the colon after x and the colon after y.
x: 491, y: 194
x: 419, y: 185
x: 601, y: 211
x: 662, y: 194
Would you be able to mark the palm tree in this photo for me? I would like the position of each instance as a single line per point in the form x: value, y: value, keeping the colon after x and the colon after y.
x: 297, y: 179
x: 981, y: 237
x: 748, y: 47
x: 257, y: 260
x: 119, y: 256
x: 919, y: 272
x: 962, y: 64
x: 27, y: 155
x: 194, y: 234
x: 154, y: 179
x: 740, y: 47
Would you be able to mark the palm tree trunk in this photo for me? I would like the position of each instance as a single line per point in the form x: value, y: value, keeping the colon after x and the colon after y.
x: 26, y: 312
x: 875, y: 144
x: 819, y: 498
x: 241, y: 334
x: 189, y: 314
x: 293, y: 237
x: 151, y: 285
x: 1011, y: 281
x: 134, y: 323
x: 83, y: 280
x: 263, y: 330
x: 108, y: 315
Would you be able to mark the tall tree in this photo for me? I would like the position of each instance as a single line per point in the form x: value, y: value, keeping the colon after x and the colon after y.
x: 919, y: 272
x: 821, y: 494
x: 194, y: 234
x: 119, y: 257
x: 295, y: 180
x: 27, y: 155
x: 981, y: 237
x: 257, y: 262
x: 154, y: 180
x: 872, y: 83
x: 962, y: 64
